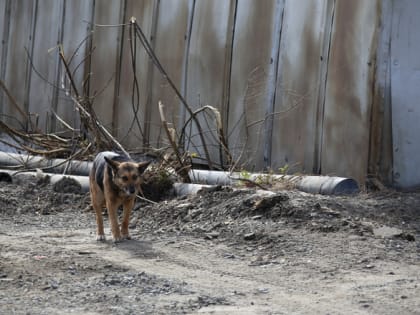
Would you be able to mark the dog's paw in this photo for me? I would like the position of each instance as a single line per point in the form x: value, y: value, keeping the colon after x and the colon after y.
x: 126, y: 237
x: 117, y: 239
x: 100, y: 238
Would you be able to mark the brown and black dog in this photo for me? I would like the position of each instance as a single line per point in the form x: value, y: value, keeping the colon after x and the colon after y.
x: 114, y: 181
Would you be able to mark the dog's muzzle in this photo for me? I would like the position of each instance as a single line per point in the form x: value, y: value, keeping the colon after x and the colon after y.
x: 130, y: 190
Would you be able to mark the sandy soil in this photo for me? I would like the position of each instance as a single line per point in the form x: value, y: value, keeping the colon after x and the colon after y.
x: 220, y: 252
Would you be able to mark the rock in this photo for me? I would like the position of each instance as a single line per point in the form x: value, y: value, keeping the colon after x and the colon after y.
x: 250, y: 236
x: 229, y: 256
x: 406, y: 236
x: 263, y: 290
x: 390, y: 232
x: 386, y: 232
x: 267, y: 203
x: 212, y: 235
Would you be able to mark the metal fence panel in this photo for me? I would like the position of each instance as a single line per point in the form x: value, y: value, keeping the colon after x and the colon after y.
x: 4, y: 34
x: 43, y: 96
x: 348, y: 96
x: 172, y: 31
x: 253, y: 78
x: 208, y: 62
x: 77, y: 27
x: 16, y: 41
x: 293, y: 80
x: 294, y: 116
x: 405, y: 82
x: 130, y: 112
x: 104, y: 61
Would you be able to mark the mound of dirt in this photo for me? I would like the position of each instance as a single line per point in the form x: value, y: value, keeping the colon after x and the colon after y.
x: 248, y: 216
x: 34, y: 196
x: 67, y: 185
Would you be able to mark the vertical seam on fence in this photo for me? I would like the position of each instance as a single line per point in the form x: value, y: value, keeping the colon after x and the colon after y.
x: 184, y: 82
x: 319, y: 122
x: 380, y: 87
x: 272, y: 89
x: 28, y: 75
x: 148, y: 109
x: 118, y: 65
x: 56, y: 87
x: 88, y: 63
x: 230, y: 38
x: 4, y: 49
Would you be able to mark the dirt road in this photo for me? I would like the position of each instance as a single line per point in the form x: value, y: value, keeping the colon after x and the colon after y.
x: 220, y: 252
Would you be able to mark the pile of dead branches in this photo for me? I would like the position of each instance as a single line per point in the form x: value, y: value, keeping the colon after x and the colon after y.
x: 93, y: 137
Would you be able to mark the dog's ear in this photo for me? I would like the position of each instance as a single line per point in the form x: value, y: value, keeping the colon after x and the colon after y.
x: 142, y: 166
x: 114, y: 164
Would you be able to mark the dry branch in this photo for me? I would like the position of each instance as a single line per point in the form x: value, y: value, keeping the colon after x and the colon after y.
x: 219, y: 127
x: 51, y: 145
x: 181, y: 169
x: 152, y: 55
x: 93, y: 136
x: 102, y: 138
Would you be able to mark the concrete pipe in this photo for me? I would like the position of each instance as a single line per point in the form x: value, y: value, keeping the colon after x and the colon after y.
x: 326, y: 185
x: 8, y: 160
x: 54, y: 178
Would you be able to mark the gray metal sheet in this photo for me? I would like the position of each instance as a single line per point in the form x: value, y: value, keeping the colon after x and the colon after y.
x: 127, y: 128
x: 253, y: 78
x: 293, y: 137
x: 170, y: 47
x: 346, y: 129
x: 165, y: 24
x: 16, y: 63
x: 207, y: 61
x: 4, y: 36
x: 380, y: 156
x: 77, y: 26
x: 106, y: 41
x: 405, y: 82
x: 249, y: 59
x: 43, y: 94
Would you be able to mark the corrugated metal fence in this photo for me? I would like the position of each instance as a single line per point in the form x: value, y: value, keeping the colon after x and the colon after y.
x: 294, y: 80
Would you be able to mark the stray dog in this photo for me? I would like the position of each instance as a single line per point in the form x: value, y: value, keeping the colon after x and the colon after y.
x: 114, y: 181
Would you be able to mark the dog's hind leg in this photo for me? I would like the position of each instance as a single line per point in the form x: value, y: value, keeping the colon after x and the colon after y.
x: 127, y: 206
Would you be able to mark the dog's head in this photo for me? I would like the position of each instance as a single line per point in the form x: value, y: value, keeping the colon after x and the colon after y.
x: 127, y: 175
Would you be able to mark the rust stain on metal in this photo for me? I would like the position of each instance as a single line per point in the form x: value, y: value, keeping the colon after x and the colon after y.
x: 299, y: 66
x: 348, y: 98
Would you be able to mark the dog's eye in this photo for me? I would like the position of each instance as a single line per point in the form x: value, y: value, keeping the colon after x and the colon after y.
x: 134, y: 177
x: 125, y: 178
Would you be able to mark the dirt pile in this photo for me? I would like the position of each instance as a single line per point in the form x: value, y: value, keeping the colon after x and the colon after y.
x: 245, y: 216
x: 33, y: 196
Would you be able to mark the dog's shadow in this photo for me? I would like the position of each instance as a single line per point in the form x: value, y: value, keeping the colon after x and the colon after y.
x: 137, y: 248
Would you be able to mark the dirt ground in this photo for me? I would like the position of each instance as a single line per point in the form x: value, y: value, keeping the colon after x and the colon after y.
x: 219, y: 252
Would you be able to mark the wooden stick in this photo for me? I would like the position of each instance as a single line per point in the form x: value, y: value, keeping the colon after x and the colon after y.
x: 182, y: 171
x: 100, y: 126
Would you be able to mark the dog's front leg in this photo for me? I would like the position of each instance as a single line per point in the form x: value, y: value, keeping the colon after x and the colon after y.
x: 100, y: 235
x: 127, y: 206
x: 113, y: 220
